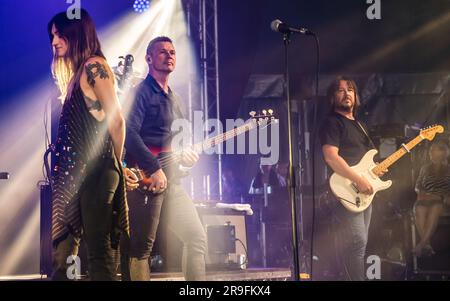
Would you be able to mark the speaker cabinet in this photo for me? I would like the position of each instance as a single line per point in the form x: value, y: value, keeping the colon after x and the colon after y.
x: 170, y: 248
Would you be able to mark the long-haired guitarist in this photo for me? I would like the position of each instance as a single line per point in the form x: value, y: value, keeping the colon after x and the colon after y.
x: 344, y: 142
x: 154, y: 109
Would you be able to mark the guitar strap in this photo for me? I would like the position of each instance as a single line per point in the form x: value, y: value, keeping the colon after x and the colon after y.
x: 365, y: 133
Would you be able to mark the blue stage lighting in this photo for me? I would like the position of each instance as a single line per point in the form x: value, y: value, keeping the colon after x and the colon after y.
x: 141, y: 6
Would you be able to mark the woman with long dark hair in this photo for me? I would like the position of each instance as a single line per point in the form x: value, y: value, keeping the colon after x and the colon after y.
x: 89, y: 186
x: 433, y: 189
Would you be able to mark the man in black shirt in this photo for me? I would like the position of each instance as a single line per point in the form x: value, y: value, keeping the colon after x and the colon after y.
x: 149, y: 126
x: 344, y: 143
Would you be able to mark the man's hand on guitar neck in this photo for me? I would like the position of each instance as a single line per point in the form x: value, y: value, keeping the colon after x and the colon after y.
x: 189, y: 157
x: 159, y: 181
x: 381, y: 172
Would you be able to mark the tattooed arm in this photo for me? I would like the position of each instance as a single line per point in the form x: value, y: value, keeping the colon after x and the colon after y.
x: 100, y: 79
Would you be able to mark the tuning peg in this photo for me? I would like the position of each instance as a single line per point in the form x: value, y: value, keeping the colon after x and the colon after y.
x: 252, y: 113
x: 270, y: 111
x: 264, y: 112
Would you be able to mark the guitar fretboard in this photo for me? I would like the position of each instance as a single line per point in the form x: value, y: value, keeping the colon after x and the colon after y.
x: 211, y: 142
x: 378, y: 170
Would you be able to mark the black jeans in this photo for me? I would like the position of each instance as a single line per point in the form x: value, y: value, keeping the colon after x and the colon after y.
x: 353, y: 231
x: 182, y: 220
x: 96, y: 196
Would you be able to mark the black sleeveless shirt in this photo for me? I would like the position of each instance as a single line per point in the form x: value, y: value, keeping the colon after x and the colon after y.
x: 81, y: 145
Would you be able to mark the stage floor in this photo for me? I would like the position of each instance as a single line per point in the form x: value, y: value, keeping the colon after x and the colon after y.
x: 279, y: 274
x: 251, y: 274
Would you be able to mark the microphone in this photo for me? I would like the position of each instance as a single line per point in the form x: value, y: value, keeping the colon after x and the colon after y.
x: 279, y: 26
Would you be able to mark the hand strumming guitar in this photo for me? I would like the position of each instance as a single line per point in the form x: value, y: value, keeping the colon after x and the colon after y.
x: 364, y: 186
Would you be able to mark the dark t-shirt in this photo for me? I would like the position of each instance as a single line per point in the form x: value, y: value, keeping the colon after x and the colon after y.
x: 347, y: 135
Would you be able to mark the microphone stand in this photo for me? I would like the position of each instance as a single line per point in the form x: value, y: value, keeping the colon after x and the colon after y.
x: 291, y: 180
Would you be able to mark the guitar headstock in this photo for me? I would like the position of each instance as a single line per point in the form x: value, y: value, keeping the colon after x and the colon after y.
x: 265, y: 117
x: 431, y: 131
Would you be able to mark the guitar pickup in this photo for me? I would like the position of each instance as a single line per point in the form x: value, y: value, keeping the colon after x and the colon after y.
x: 353, y: 186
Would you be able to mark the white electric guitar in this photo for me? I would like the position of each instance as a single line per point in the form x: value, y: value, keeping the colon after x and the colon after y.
x: 347, y: 192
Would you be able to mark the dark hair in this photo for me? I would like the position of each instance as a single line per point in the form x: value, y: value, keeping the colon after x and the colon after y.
x: 156, y: 40
x: 334, y: 86
x: 82, y: 42
x: 439, y: 170
x: 80, y: 35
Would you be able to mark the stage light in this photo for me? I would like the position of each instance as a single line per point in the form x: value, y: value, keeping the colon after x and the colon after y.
x: 22, y: 132
x: 134, y: 31
x: 141, y: 6
x: 23, y: 143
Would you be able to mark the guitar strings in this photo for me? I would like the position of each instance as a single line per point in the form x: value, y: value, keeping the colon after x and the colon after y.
x: 211, y: 142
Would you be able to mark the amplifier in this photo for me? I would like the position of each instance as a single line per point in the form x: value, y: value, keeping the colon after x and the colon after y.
x: 221, y: 239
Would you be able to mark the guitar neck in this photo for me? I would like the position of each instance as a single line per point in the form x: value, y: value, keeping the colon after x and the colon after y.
x: 216, y: 140
x: 378, y: 170
x: 171, y: 158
